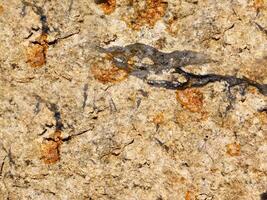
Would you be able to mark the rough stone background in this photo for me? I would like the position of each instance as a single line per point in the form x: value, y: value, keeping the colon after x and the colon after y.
x: 70, y: 132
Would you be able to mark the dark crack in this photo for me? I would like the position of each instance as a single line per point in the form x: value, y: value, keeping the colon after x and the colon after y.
x: 261, y: 28
x: 85, y: 95
x: 40, y: 12
x: 100, y: 1
x: 173, y: 62
x: 57, y: 115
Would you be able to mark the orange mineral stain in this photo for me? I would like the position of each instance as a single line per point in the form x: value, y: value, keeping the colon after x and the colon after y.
x: 233, y: 149
x: 191, y: 99
x: 172, y: 27
x: 108, y: 7
x: 258, y: 5
x: 153, y: 11
x: 50, y: 152
x: 1, y: 9
x: 106, y: 72
x: 188, y: 195
x: 50, y: 149
x: 36, y: 53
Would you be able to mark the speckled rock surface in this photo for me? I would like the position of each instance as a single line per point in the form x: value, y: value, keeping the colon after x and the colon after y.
x: 74, y: 127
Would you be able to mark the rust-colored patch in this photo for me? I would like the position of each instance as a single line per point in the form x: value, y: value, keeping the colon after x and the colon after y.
x: 161, y: 43
x: 191, y: 99
x: 108, y: 7
x: 148, y: 15
x: 233, y: 149
x: 1, y: 9
x: 258, y: 5
x: 50, y: 152
x: 188, y: 195
x: 36, y: 53
x: 158, y: 119
x: 50, y: 149
x: 106, y: 72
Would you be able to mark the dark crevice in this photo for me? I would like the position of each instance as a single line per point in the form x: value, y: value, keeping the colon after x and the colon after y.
x: 40, y: 12
x: 57, y: 115
x: 70, y: 6
x: 261, y: 28
x: 174, y: 62
x: 85, y: 95
x: 101, y: 1
x: 263, y: 196
x: 53, y: 42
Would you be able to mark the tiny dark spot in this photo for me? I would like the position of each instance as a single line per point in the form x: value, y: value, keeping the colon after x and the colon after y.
x: 143, y: 93
x: 43, y: 18
x: 14, y: 66
x: 94, y: 117
x: 49, y: 125
x: 185, y: 164
x: 28, y: 162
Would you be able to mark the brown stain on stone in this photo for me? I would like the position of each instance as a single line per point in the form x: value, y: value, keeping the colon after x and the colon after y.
x: 50, y: 152
x: 191, y: 99
x: 153, y: 11
x: 110, y: 75
x: 36, y: 53
x: 258, y: 5
x: 158, y: 119
x: 1, y: 9
x: 108, y: 7
x: 233, y: 149
x: 188, y: 195
x: 50, y: 149
x: 106, y: 72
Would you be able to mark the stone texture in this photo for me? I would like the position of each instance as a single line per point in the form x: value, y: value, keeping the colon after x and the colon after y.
x: 73, y: 127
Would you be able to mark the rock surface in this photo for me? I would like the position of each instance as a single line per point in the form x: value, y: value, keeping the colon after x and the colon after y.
x: 73, y: 126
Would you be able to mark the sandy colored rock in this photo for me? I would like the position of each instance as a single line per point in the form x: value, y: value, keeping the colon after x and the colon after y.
x: 75, y: 126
